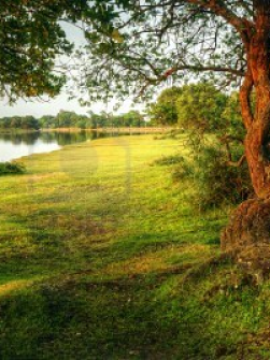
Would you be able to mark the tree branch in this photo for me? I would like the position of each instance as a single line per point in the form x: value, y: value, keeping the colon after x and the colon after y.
x: 203, y: 68
x: 237, y: 163
x: 245, y: 93
x: 242, y: 25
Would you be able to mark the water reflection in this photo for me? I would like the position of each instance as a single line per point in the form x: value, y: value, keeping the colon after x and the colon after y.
x: 16, y: 145
x: 68, y: 138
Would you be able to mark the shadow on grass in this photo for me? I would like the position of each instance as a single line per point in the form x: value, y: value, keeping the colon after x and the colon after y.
x: 112, y: 319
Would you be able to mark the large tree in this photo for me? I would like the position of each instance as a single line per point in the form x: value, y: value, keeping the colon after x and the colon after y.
x: 31, y: 40
x: 143, y: 43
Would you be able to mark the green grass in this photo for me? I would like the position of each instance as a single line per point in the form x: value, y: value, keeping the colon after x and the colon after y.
x: 103, y: 256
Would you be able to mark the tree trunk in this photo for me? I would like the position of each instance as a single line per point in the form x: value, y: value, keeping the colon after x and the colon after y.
x: 247, y: 236
x: 258, y: 124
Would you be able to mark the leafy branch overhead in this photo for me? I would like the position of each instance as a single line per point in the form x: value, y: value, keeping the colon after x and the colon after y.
x: 144, y: 43
x: 31, y: 39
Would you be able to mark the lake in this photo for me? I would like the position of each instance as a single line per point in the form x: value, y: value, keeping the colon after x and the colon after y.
x: 15, y: 145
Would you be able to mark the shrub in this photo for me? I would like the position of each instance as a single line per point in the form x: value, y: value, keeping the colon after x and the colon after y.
x: 216, y: 182
x: 8, y: 168
x: 219, y: 183
x: 169, y: 160
x: 174, y: 134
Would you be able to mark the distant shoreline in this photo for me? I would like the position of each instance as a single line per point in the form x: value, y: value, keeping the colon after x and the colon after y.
x: 114, y: 129
x: 18, y: 131
x: 131, y: 130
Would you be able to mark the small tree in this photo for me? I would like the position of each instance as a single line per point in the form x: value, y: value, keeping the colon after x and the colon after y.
x: 164, y: 111
x: 200, y: 106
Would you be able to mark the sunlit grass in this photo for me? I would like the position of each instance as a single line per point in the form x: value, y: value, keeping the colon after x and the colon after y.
x: 104, y: 256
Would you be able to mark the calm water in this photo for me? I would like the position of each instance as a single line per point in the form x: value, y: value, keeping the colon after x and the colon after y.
x: 14, y: 146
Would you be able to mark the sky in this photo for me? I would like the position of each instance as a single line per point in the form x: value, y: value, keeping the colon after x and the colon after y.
x: 53, y: 106
x: 39, y: 108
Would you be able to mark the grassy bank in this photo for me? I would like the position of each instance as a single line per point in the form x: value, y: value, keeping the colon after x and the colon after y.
x: 103, y: 257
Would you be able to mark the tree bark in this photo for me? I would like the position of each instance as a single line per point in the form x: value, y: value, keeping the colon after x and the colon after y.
x: 258, y: 124
x: 248, y: 233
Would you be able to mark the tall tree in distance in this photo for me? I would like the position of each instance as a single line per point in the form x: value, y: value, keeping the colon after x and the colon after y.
x: 144, y: 43
x: 31, y: 38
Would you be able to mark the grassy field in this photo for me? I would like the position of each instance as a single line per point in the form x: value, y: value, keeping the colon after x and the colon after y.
x: 104, y: 256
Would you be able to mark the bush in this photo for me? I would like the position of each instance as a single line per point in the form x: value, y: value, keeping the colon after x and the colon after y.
x: 8, y: 168
x: 174, y: 134
x: 220, y: 183
x: 216, y: 182
x: 184, y: 170
x: 169, y: 160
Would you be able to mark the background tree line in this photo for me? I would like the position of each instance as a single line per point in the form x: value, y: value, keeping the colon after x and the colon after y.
x: 69, y: 119
x: 200, y: 106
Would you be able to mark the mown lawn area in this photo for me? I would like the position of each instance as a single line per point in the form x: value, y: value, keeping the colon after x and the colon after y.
x: 104, y: 256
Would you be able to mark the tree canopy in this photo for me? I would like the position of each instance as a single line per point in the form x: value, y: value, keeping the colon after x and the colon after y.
x: 164, y: 111
x: 148, y: 42
x: 201, y: 106
x: 31, y: 39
